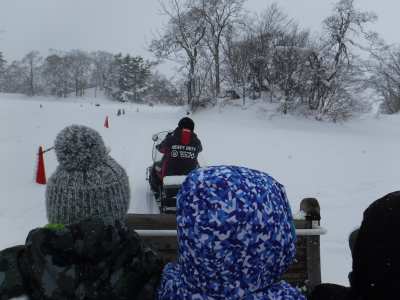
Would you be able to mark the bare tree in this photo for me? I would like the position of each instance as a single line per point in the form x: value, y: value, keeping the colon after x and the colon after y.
x: 33, y: 62
x: 204, y: 81
x: 79, y: 64
x: 162, y: 90
x: 291, y: 66
x: 14, y: 78
x: 219, y: 15
x: 184, y: 33
x: 237, y: 60
x: 386, y: 78
x: 101, y: 69
x: 266, y: 32
x: 57, y: 75
x: 344, y: 30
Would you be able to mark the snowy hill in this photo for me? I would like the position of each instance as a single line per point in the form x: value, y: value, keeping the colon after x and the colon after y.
x: 346, y: 166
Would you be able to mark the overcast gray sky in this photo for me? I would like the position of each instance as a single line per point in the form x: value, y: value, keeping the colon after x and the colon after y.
x: 128, y: 25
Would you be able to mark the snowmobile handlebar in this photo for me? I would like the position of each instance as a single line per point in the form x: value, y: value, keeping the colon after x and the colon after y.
x: 157, y: 138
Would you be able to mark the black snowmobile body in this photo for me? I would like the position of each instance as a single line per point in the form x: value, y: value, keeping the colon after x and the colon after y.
x: 165, y: 190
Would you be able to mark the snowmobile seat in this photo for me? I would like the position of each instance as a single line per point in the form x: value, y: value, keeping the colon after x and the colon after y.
x: 173, y: 180
x: 171, y: 186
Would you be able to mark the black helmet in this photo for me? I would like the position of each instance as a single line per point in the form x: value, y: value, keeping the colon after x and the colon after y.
x: 186, y: 123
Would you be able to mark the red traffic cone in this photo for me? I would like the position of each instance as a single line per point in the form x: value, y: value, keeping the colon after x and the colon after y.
x: 40, y: 172
x: 106, y: 122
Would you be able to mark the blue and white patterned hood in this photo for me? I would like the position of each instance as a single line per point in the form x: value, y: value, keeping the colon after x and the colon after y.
x: 235, y: 235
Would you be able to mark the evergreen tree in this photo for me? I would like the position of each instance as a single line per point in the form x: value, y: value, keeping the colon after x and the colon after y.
x: 139, y: 71
x: 15, y: 79
x: 57, y: 75
x: 2, y: 71
x: 102, y: 70
x: 162, y: 90
x: 124, y: 81
x: 2, y: 63
x: 111, y: 84
x: 130, y: 77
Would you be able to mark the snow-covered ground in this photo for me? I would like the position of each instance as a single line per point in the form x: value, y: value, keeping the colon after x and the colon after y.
x: 346, y: 166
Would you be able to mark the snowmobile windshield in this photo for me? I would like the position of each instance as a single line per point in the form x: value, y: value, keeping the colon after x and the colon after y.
x: 158, y: 138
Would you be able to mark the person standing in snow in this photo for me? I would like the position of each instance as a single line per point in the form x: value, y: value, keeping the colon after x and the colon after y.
x: 87, y: 252
x: 236, y: 238
x: 376, y: 261
x: 181, y: 148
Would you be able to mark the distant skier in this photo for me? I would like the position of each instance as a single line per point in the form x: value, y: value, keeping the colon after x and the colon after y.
x: 180, y: 148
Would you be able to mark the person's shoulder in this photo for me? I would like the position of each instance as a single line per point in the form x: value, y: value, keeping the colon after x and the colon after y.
x: 196, y: 138
x: 12, y: 282
x: 329, y: 291
x: 195, y: 135
x: 173, y: 133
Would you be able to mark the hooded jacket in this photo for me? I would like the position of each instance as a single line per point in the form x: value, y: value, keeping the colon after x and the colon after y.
x: 236, y: 238
x: 376, y: 259
x: 92, y: 260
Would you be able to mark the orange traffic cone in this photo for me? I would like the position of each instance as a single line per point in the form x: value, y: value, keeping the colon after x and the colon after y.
x: 106, y: 122
x: 40, y: 172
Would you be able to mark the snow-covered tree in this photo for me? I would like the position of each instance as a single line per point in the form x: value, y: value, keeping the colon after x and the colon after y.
x: 237, y: 56
x: 182, y: 39
x: 386, y: 78
x: 319, y: 75
x: 102, y: 69
x: 32, y: 62
x: 57, y: 75
x: 344, y: 31
x: 162, y: 90
x: 3, y: 63
x: 266, y: 32
x: 219, y: 16
x: 15, y: 78
x: 139, y: 71
x: 128, y: 80
x: 79, y: 64
x: 291, y: 70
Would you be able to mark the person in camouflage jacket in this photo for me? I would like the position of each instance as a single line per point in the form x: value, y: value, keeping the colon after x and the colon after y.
x: 93, y: 259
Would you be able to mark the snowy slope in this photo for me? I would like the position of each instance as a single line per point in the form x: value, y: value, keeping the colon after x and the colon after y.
x: 346, y: 166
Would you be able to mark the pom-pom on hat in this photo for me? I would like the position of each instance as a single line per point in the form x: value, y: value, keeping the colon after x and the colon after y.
x: 79, y: 148
x: 88, y: 182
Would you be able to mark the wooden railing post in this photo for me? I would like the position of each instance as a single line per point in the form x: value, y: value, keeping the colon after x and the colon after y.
x: 310, y: 207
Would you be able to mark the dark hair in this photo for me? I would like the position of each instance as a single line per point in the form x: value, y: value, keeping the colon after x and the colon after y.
x: 186, y: 123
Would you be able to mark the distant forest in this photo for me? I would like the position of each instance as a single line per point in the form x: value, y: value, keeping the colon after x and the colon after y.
x: 225, y: 53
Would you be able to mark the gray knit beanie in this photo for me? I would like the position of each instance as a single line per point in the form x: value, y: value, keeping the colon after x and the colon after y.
x: 87, y: 182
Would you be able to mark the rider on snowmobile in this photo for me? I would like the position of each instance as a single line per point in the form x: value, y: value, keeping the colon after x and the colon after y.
x: 180, y: 148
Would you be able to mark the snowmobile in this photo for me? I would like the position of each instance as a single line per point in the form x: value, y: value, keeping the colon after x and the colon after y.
x: 167, y: 189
